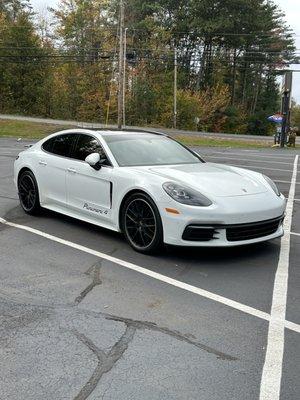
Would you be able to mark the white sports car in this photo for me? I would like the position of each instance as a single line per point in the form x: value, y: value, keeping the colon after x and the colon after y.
x: 150, y: 187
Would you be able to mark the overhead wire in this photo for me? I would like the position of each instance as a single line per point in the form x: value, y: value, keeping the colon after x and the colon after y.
x: 191, y: 31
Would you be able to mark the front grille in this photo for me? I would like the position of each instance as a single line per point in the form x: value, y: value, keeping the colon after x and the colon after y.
x: 254, y: 230
x: 198, y: 233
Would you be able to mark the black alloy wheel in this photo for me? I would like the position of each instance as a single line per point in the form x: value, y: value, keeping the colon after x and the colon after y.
x: 28, y: 193
x: 142, y: 224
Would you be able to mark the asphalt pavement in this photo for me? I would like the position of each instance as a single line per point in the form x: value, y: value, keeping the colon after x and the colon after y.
x: 80, y: 319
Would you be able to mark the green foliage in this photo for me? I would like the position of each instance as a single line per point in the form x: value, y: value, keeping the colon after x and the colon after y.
x: 227, y: 53
x: 295, y: 116
x: 188, y: 108
x: 203, y: 110
x: 22, y: 70
x: 258, y: 125
x: 236, y: 120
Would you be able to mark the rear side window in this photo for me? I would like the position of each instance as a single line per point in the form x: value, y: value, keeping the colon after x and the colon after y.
x: 60, y: 145
x: 47, y: 146
x: 87, y: 145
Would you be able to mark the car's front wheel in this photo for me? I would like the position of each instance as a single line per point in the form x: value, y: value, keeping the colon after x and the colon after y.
x: 141, y: 223
x: 28, y: 192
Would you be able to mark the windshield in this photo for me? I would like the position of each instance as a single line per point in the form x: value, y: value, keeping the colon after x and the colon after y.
x: 138, y: 150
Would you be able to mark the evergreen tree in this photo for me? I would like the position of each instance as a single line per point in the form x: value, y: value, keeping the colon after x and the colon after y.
x: 230, y: 53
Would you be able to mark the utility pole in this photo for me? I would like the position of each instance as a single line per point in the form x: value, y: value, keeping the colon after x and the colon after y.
x: 124, y: 78
x: 286, y: 105
x: 175, y: 89
x: 121, y: 70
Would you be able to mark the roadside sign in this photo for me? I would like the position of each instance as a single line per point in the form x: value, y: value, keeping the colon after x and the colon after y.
x: 277, y: 118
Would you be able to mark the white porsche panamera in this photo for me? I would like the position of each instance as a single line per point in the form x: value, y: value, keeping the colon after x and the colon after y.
x: 150, y: 187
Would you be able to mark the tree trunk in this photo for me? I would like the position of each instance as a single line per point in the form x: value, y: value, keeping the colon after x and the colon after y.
x: 257, y: 89
x: 201, y: 72
x: 233, y: 86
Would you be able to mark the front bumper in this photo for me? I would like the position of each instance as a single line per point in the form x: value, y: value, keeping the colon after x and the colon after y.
x: 220, y: 221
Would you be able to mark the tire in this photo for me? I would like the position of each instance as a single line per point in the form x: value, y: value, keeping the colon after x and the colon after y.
x: 141, y: 223
x: 29, y: 193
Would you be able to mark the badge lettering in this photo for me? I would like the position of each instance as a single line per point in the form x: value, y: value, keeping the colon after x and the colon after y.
x: 94, y: 209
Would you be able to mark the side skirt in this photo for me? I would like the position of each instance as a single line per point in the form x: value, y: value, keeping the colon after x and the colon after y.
x: 76, y: 215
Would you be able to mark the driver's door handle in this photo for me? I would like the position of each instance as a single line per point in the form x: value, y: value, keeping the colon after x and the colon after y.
x: 41, y: 162
x: 72, y: 170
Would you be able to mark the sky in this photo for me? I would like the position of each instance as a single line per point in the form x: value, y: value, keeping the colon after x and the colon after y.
x: 291, y: 8
x: 292, y: 11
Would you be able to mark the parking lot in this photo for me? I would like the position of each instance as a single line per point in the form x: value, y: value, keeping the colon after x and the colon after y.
x: 83, y: 316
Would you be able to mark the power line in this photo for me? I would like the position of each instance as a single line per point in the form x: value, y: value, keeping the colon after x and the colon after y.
x: 203, y: 34
x: 271, y: 51
x: 57, y: 62
x: 94, y: 60
x: 160, y: 56
x: 268, y: 67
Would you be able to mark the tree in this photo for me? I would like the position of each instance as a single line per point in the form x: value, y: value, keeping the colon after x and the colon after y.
x: 235, y: 42
x: 22, y: 66
x: 86, y: 31
x: 13, y: 8
x: 230, y: 53
x: 295, y: 117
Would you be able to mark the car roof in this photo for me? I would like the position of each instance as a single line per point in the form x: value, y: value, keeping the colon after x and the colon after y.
x: 127, y: 132
x: 102, y: 133
x: 110, y: 132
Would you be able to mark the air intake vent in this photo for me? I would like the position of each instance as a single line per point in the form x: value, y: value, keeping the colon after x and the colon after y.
x: 255, y: 230
x: 198, y: 233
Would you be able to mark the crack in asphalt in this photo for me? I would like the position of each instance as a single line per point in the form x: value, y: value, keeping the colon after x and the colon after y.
x: 113, y: 251
x: 146, y: 325
x: 142, y: 325
x: 106, y: 361
x: 93, y: 271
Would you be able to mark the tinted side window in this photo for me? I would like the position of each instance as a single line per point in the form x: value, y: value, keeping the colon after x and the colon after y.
x: 87, y: 145
x: 62, y: 145
x: 48, y: 145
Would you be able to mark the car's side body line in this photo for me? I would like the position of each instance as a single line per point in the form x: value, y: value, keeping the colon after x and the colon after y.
x: 81, y: 217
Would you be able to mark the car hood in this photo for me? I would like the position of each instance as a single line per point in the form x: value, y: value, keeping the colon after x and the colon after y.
x: 214, y: 179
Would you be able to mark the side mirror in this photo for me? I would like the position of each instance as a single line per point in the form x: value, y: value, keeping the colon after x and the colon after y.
x: 94, y: 161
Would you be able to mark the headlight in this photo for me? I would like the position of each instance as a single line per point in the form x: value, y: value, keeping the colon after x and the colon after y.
x: 186, y: 195
x: 272, y: 184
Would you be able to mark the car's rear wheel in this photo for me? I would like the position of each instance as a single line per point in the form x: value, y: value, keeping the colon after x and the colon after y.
x: 142, y: 224
x: 29, y: 193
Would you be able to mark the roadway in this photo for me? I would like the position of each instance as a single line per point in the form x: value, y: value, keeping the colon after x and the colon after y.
x: 80, y: 318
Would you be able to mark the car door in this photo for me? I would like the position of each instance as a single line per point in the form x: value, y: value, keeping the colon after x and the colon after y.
x: 88, y: 190
x: 52, y: 167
